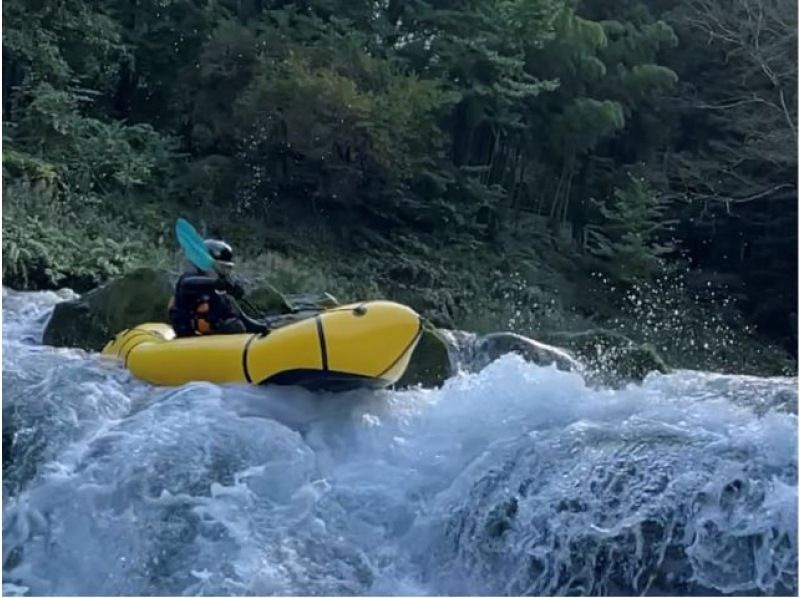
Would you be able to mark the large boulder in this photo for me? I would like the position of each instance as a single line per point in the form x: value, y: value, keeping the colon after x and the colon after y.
x: 489, y: 347
x: 90, y: 321
x: 610, y: 356
x: 436, y: 305
x: 270, y: 301
x: 430, y: 363
x: 310, y: 301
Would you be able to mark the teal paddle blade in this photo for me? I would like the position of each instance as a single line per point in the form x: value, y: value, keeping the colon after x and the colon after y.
x: 193, y: 246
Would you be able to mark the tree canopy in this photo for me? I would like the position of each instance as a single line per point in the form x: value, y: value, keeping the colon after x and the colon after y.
x: 649, y: 136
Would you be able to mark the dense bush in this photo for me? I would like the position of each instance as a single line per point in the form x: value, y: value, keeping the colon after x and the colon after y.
x: 43, y: 250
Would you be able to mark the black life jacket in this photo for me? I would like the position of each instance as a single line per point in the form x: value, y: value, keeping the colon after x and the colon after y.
x: 194, y: 312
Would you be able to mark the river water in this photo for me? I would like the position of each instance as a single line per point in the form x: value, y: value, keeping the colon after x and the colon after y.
x: 517, y: 479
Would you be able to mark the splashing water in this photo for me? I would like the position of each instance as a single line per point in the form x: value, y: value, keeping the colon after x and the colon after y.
x: 514, y: 480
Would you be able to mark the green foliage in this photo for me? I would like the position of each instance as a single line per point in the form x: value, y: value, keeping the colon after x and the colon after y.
x: 332, y: 104
x: 489, y: 125
x: 92, y: 156
x: 628, y: 240
x: 45, y: 254
x: 58, y: 42
x: 645, y: 81
x: 585, y: 121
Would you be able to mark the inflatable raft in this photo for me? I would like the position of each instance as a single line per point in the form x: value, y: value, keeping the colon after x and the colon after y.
x: 366, y: 344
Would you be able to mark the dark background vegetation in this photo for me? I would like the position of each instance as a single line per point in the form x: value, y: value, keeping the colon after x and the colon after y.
x: 528, y: 164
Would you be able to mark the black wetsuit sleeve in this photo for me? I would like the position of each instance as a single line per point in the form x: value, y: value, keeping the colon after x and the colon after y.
x: 251, y: 325
x: 199, y: 283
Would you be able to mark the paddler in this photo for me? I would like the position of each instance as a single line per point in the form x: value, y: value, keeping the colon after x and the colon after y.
x: 204, y: 301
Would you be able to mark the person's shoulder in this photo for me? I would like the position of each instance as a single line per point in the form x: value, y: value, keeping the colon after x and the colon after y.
x: 186, y: 274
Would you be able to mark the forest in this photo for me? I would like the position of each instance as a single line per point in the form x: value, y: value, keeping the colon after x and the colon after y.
x: 533, y: 164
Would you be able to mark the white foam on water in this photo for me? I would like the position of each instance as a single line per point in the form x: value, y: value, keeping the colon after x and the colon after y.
x: 515, y: 480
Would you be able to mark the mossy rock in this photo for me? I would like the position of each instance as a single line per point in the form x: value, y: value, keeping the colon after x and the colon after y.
x: 491, y: 346
x: 436, y: 306
x: 268, y: 300
x: 311, y: 301
x: 90, y: 321
x: 610, y: 355
x: 430, y: 363
x: 639, y: 361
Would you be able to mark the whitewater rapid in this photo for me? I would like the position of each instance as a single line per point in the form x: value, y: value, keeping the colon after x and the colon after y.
x: 515, y: 480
